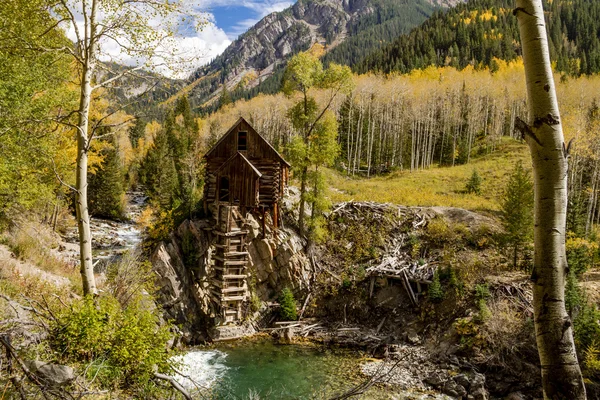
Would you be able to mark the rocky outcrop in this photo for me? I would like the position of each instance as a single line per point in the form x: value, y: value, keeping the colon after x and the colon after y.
x: 183, y: 269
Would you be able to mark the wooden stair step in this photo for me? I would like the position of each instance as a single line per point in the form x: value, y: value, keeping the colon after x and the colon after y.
x: 236, y: 253
x: 228, y: 234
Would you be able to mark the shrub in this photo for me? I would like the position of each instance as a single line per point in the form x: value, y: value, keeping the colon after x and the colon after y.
x: 438, y: 232
x: 586, y: 326
x: 482, y: 294
x: 591, y: 360
x: 287, y: 304
x: 435, y: 291
x: 580, y: 254
x: 129, y: 277
x: 507, y: 333
x: 574, y: 297
x: 474, y: 184
x: 129, y: 340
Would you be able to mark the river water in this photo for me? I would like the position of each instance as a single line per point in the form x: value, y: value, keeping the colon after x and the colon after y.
x: 248, y: 370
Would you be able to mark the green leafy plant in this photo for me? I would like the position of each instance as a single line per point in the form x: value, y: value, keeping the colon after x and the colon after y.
x: 124, y: 344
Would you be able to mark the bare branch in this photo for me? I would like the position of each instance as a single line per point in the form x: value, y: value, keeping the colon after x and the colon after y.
x: 60, y: 179
x: 176, y: 385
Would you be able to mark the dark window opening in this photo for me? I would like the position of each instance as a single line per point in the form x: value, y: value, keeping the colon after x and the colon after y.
x: 242, y: 141
x: 224, y: 189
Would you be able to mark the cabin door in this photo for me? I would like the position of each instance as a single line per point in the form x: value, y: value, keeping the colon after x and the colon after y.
x: 224, y: 189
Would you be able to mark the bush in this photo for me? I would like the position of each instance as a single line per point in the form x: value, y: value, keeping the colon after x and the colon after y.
x: 287, y: 304
x: 586, y: 326
x: 129, y: 340
x: 474, y: 184
x: 580, y: 254
x: 482, y: 294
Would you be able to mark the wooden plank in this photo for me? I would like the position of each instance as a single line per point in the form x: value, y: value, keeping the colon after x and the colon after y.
x: 234, y: 298
x: 229, y: 234
x: 236, y: 253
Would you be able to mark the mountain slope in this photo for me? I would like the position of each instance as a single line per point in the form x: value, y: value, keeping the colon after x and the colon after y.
x: 347, y: 28
x: 477, y: 32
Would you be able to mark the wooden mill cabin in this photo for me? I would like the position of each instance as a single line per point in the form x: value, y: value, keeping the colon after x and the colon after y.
x: 244, y: 170
x: 243, y: 173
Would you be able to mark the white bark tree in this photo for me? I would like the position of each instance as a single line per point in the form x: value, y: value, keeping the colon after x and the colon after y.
x: 140, y: 29
x: 561, y: 374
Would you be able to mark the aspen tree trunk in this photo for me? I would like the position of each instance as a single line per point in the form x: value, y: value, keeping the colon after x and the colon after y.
x: 561, y: 375
x: 81, y: 182
x: 81, y: 203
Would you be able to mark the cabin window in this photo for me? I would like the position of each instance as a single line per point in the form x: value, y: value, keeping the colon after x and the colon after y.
x: 224, y: 189
x: 242, y: 141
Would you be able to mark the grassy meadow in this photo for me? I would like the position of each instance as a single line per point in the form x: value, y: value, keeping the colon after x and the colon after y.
x: 437, y: 185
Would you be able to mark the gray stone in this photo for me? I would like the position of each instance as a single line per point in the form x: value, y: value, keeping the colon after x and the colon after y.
x: 462, y: 380
x: 53, y: 374
x: 412, y: 337
x: 273, y: 278
x: 452, y: 388
x: 477, y: 382
x: 262, y: 274
x: 436, y: 379
x: 252, y: 226
x: 480, y: 394
x: 264, y: 250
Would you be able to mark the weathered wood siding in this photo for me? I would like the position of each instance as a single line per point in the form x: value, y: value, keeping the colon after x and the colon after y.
x: 260, y: 154
x: 243, y: 182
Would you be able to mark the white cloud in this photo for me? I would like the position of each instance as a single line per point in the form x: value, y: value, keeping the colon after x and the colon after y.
x: 194, y: 45
x: 260, y: 9
x: 198, y: 45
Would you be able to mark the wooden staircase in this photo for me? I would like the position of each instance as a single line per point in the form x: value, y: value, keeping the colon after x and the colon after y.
x: 229, y: 287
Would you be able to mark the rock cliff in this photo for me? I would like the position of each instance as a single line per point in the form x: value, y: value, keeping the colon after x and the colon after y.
x: 182, y: 265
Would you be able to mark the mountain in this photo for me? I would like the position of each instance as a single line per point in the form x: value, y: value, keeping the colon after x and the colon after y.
x: 346, y: 28
x: 480, y: 31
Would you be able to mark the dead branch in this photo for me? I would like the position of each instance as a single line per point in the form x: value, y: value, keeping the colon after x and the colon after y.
x: 175, y: 385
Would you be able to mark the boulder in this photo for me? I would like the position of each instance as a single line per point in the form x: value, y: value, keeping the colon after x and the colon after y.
x: 53, y: 374
x: 264, y: 250
x: 462, y: 380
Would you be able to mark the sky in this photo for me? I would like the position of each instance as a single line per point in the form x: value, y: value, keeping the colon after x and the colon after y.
x: 225, y: 21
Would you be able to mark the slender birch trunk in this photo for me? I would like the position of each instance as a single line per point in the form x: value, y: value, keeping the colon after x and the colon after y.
x: 81, y: 185
x: 561, y: 375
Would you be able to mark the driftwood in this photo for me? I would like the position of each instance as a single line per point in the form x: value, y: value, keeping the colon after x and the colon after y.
x: 519, y: 294
x: 361, y: 388
x: 304, y: 305
x: 175, y: 385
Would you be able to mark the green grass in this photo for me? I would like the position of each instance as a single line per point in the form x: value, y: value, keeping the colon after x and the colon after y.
x: 437, y: 186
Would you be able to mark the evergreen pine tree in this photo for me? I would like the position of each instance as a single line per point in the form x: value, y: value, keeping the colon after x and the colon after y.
x: 435, y: 293
x: 136, y: 132
x: 106, y: 187
x: 225, y: 97
x: 517, y: 210
x: 287, y: 305
x: 474, y: 184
